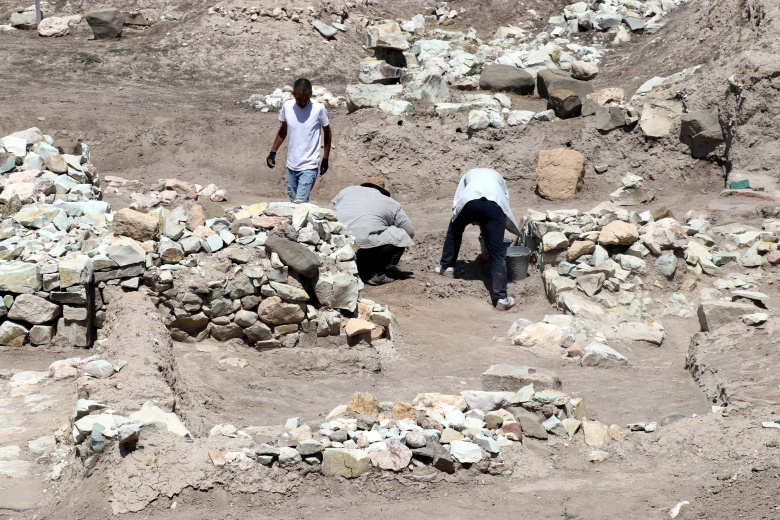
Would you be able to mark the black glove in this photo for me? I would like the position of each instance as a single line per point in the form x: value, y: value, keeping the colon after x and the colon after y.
x: 323, y: 166
x: 271, y: 160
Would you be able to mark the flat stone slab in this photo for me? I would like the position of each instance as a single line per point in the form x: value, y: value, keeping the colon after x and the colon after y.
x: 511, y: 378
x: 716, y: 313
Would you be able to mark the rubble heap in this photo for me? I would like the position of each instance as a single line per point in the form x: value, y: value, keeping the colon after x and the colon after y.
x: 278, y: 97
x: 284, y: 273
x: 447, y: 432
x: 594, y: 266
x: 429, y: 72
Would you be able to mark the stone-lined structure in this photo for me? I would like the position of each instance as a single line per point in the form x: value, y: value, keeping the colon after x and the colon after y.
x: 276, y: 274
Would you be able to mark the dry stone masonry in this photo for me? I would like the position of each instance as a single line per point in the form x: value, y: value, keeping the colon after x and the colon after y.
x: 446, y: 432
x: 604, y: 268
x: 276, y: 274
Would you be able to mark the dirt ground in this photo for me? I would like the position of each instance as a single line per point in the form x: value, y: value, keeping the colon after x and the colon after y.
x: 164, y: 102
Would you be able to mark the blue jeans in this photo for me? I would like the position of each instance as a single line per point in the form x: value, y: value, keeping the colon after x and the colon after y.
x: 492, y: 218
x: 299, y: 184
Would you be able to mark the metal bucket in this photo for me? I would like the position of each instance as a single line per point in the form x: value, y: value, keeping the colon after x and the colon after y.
x: 517, y: 258
x: 483, y: 246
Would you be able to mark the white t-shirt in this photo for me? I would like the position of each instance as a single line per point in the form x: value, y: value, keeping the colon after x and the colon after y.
x: 304, y: 127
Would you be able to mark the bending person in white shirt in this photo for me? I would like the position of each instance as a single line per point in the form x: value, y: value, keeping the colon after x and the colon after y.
x: 482, y: 199
x: 305, y: 121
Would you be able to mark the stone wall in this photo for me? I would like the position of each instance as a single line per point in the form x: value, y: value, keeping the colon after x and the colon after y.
x: 276, y: 275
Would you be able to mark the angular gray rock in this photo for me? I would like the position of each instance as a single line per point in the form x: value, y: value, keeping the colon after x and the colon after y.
x: 106, y: 24
x: 347, y: 463
x: 701, y: 130
x: 33, y: 309
x: 666, y: 265
x: 610, y: 117
x: 373, y: 70
x: 550, y: 80
x: 506, y: 78
x: 369, y: 96
x: 565, y: 103
x: 600, y: 355
x: 386, y: 36
x: 716, y: 313
x: 465, y: 452
x: 12, y: 334
x: 275, y: 312
x: 511, y: 378
x: 428, y: 90
x: 297, y: 256
x: 325, y: 30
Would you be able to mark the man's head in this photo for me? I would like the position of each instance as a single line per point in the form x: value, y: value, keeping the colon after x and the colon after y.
x: 302, y: 92
x: 378, y: 184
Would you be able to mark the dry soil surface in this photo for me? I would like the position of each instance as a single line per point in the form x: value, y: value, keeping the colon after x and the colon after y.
x: 163, y: 103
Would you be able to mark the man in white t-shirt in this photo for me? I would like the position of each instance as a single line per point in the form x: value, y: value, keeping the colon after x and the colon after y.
x: 305, y: 121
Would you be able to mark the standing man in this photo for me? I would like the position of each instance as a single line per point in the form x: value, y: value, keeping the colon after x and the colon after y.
x: 482, y: 199
x: 305, y: 120
x: 381, y: 229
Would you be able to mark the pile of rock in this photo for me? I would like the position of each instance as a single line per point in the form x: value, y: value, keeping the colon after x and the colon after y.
x: 103, y: 23
x: 447, y: 432
x: 432, y: 73
x: 620, y: 16
x: 605, y: 255
x: 275, y: 100
x: 283, y: 275
x: 402, y: 75
x: 318, y: 15
x: 33, y: 168
x: 165, y: 192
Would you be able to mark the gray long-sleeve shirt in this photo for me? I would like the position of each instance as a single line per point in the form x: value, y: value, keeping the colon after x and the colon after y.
x: 375, y: 219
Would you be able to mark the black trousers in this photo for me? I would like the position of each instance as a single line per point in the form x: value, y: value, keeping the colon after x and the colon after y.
x: 493, y: 221
x: 375, y: 260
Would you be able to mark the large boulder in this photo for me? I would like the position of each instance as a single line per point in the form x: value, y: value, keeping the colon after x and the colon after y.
x: 77, y: 270
x: 368, y: 96
x: 428, y: 90
x: 373, y: 70
x: 296, y: 256
x: 386, y: 36
x: 337, y: 291
x: 701, y: 130
x: 559, y: 173
x: 20, y: 277
x: 12, y: 334
x: 106, y: 24
x: 565, y: 104
x: 716, y: 313
x: 54, y: 26
x: 276, y: 312
x: 506, y: 78
x: 136, y: 225
x: 347, y: 463
x: 550, y: 80
x: 25, y: 21
x: 618, y: 232
x: 33, y: 309
x: 659, y: 116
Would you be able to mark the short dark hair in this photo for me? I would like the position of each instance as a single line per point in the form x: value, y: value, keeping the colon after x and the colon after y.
x: 302, y: 85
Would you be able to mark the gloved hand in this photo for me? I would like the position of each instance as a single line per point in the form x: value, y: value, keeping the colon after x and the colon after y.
x: 323, y: 166
x: 271, y: 160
